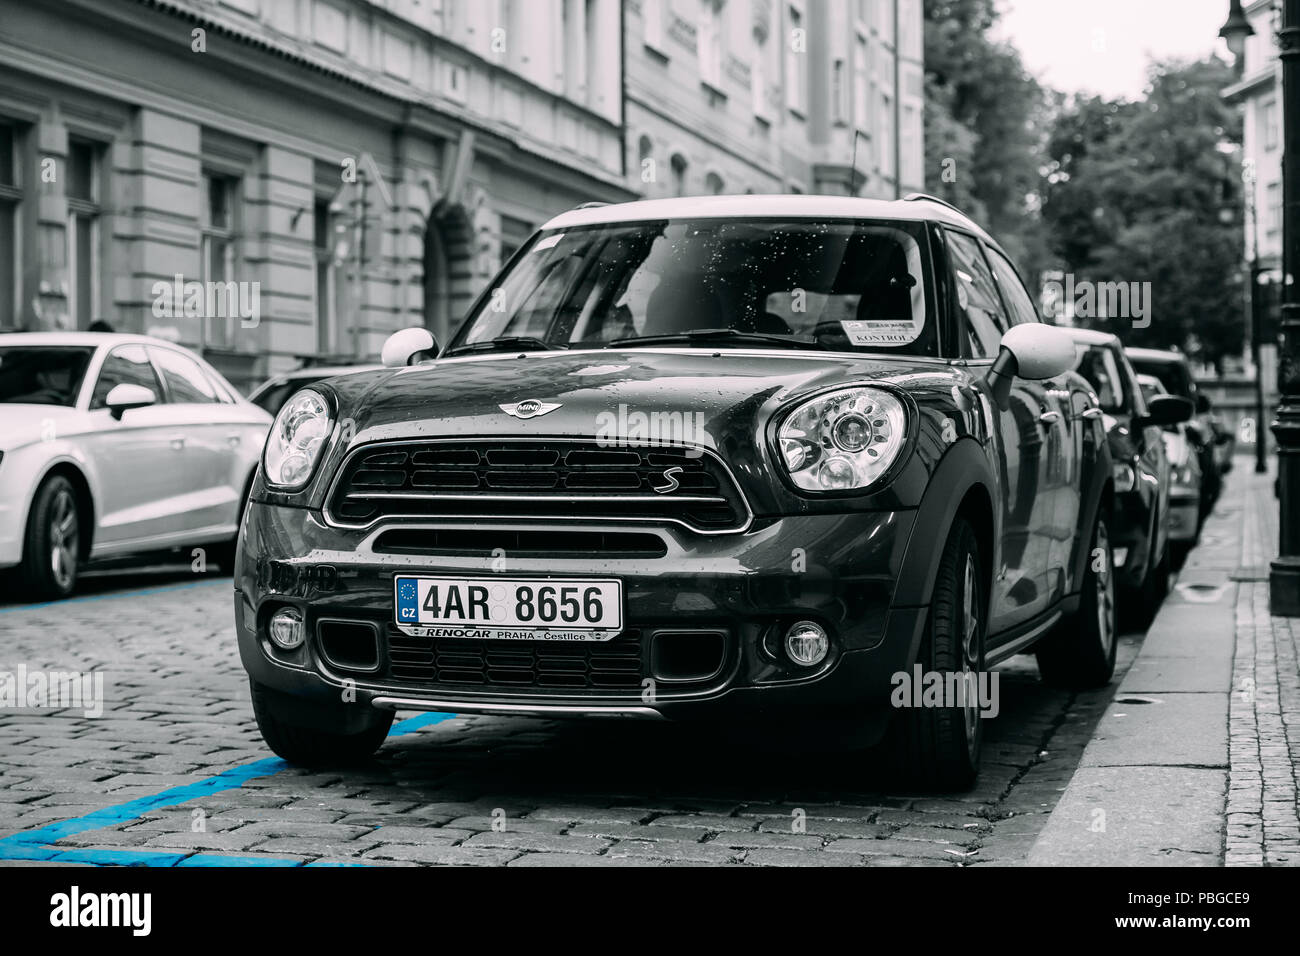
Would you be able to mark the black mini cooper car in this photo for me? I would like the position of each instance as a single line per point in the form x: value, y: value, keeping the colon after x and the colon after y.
x: 737, y: 458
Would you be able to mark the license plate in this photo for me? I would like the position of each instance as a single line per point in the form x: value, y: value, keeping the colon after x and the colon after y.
x: 510, y: 609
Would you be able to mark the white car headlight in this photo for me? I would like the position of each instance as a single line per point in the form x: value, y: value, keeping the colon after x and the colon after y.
x: 296, y: 439
x: 843, y: 440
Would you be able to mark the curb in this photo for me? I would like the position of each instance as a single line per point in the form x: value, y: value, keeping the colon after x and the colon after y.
x: 1151, y: 787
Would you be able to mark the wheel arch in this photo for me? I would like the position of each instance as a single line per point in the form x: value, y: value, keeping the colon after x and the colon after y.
x: 85, y: 500
x: 960, y: 487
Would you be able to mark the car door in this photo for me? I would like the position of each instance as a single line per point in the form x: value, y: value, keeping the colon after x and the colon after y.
x: 137, y: 461
x: 1153, y: 457
x: 203, y: 427
x: 1021, y: 582
x: 1063, y: 434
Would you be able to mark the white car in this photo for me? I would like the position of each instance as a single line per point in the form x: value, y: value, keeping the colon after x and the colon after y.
x: 112, y: 444
x: 1184, y: 478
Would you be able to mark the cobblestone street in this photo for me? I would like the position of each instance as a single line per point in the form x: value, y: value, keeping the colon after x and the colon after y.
x: 173, y: 771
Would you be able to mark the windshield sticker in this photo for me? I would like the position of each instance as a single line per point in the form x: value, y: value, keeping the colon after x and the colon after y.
x: 901, y: 332
x: 548, y: 242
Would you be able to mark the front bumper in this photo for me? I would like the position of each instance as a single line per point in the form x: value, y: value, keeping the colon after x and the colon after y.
x: 1184, y: 515
x: 738, y: 591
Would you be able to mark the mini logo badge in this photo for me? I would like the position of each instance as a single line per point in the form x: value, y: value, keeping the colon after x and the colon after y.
x: 529, y: 408
x: 671, y: 477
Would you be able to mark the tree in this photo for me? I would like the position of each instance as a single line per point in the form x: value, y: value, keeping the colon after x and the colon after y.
x: 1151, y: 192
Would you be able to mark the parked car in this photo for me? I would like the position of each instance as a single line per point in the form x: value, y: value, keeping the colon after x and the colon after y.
x: 1184, y: 519
x: 274, y: 392
x: 115, y: 444
x: 1174, y: 371
x: 1134, y: 429
x: 736, y: 458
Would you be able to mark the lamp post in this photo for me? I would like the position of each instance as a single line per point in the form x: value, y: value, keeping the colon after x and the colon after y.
x: 1284, y: 573
x: 1256, y: 322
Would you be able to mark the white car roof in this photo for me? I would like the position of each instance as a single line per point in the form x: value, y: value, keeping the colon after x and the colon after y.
x: 918, y: 209
x: 1089, y: 336
x: 91, y: 339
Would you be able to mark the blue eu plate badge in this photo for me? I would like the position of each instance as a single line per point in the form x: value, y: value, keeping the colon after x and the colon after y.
x: 407, y: 602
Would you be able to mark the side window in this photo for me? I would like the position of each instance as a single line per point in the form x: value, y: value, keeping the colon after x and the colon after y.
x: 1098, y: 366
x: 184, y: 377
x: 1013, y: 290
x: 978, y: 306
x: 125, y: 365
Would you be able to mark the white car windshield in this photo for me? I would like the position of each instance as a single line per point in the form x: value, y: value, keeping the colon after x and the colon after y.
x: 831, y: 285
x: 42, y: 374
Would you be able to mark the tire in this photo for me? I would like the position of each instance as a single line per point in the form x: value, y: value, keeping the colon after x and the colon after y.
x: 939, y: 747
x: 52, y: 545
x: 1080, y: 652
x: 309, y: 747
x: 1141, y: 605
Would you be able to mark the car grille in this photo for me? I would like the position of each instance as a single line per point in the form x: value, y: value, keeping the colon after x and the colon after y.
x: 614, y: 665
x: 536, y: 479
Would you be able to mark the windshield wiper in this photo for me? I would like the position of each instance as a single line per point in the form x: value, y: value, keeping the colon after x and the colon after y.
x: 717, y: 335
x: 512, y: 343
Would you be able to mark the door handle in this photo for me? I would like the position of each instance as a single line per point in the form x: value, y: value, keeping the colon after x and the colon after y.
x: 1090, y: 413
x: 177, y: 442
x: 1049, y: 418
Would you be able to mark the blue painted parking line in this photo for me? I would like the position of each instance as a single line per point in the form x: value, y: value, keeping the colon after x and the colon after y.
x: 35, y: 844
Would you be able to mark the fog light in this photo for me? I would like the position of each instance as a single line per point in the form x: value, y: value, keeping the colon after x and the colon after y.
x: 1119, y: 556
x: 286, y: 628
x: 806, y: 644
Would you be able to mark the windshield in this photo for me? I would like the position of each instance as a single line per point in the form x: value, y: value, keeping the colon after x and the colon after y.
x: 837, y: 285
x: 1097, y: 365
x: 42, y: 375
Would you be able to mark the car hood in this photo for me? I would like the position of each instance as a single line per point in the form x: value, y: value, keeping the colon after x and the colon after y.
x: 27, y: 424
x: 598, y: 393
x: 718, y: 399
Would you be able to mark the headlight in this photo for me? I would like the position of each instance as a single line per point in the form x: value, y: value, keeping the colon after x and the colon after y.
x: 1183, y: 476
x: 842, y: 440
x: 297, y: 437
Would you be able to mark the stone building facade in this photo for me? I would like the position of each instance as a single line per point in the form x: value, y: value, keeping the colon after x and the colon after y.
x: 277, y: 182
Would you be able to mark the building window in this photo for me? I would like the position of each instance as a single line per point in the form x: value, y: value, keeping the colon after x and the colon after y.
x: 709, y: 43
x: 839, y: 93
x: 795, y: 57
x: 758, y: 76
x: 220, y: 232
x: 861, y: 87
x: 679, y: 166
x: 1273, y: 213
x: 652, y: 15
x: 514, y: 233
x: 886, y: 137
x: 82, y: 193
x: 1268, y: 119
x: 326, y: 295
x: 10, y: 196
x: 714, y: 185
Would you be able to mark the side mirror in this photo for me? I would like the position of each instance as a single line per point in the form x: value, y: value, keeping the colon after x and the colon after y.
x: 1167, y: 410
x: 1031, y: 351
x: 408, y: 346
x: 122, y: 398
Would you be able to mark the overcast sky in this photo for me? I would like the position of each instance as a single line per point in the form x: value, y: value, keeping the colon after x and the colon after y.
x: 1104, y: 46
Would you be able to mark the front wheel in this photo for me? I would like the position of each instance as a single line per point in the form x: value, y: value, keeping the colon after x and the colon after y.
x: 52, y: 547
x: 938, y: 747
x: 306, y: 746
x: 1080, y: 653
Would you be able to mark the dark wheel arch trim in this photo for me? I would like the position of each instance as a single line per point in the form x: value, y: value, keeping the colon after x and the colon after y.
x: 962, y: 470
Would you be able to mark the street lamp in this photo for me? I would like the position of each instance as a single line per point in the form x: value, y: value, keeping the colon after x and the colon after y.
x: 1284, y: 573
x: 1236, y: 30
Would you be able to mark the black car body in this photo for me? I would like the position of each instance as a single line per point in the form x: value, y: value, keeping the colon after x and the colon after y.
x: 973, y: 535
x: 1175, y: 373
x: 1140, y: 534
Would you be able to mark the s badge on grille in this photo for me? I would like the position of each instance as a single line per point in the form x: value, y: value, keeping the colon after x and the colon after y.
x: 529, y: 408
x: 671, y: 477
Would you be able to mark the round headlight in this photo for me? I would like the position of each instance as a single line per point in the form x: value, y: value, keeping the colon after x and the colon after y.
x: 843, y: 440
x: 296, y: 440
